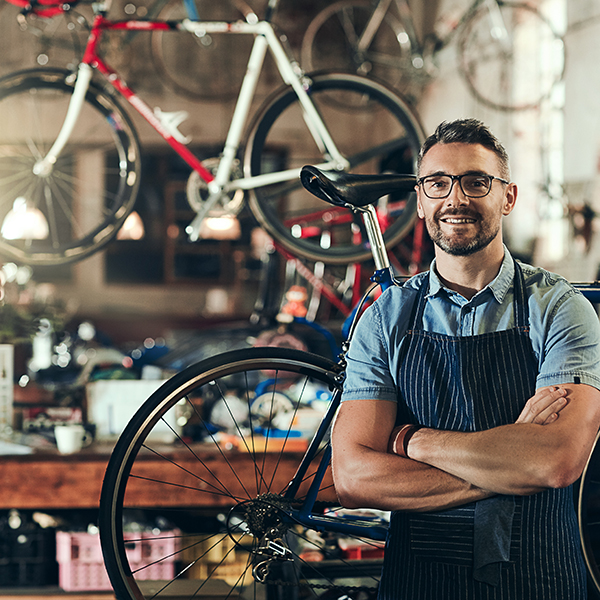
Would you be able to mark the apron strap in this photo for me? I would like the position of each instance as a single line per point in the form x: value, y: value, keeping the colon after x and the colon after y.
x: 520, y: 303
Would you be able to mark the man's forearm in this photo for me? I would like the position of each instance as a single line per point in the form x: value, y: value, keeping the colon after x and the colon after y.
x: 514, y: 459
x: 388, y: 482
x: 499, y: 459
x: 522, y: 458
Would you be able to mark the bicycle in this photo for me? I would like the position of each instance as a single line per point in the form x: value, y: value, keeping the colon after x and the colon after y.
x: 72, y: 151
x: 243, y: 391
x: 509, y: 54
x: 274, y: 526
x: 57, y: 37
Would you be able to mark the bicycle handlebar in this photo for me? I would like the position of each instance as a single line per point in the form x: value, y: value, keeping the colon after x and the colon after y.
x: 351, y: 190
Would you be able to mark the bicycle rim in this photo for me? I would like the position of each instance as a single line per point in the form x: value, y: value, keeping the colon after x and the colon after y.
x: 91, y: 188
x: 201, y: 67
x: 516, y: 66
x: 332, y: 38
x: 371, y: 126
x: 588, y: 510
x: 194, y: 523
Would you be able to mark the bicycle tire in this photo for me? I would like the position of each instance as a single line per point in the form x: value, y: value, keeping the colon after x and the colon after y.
x: 514, y: 74
x: 210, y: 67
x: 202, y: 544
x: 588, y: 515
x: 331, y: 43
x: 93, y: 185
x: 373, y: 127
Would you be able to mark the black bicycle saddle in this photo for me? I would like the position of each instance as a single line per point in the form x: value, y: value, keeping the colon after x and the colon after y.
x: 347, y: 189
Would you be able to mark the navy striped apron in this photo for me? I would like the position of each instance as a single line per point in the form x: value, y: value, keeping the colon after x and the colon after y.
x: 505, y: 547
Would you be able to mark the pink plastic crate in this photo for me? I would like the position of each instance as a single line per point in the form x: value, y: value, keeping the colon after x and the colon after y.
x: 159, y: 546
x: 81, y: 567
x: 85, y: 547
x: 161, y: 570
x: 79, y: 577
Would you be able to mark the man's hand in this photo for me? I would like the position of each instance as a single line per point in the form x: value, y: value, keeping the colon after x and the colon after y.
x: 537, y: 452
x: 543, y: 408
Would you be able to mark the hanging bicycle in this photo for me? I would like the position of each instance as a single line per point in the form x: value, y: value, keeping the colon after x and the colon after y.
x: 509, y: 53
x: 70, y: 151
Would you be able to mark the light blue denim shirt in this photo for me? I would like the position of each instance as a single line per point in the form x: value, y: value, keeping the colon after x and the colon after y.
x: 564, y: 328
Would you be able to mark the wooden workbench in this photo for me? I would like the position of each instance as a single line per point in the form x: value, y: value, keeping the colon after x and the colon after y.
x: 48, y: 480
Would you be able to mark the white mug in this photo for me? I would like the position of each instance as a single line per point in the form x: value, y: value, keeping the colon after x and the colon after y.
x: 71, y: 437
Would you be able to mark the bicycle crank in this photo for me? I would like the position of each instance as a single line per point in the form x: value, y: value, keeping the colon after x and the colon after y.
x: 228, y: 205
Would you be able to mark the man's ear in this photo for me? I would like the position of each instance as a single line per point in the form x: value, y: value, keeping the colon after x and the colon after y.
x: 419, y: 206
x: 510, y: 198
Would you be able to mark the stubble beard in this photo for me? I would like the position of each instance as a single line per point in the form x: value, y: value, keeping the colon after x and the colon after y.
x: 458, y: 247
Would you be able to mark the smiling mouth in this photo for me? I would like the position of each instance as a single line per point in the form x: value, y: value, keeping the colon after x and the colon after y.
x: 457, y: 220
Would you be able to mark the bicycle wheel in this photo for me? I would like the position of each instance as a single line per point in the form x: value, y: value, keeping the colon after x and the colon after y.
x: 201, y: 67
x: 332, y: 39
x: 220, y: 501
x: 91, y: 188
x: 588, y: 509
x: 511, y: 59
x: 371, y: 126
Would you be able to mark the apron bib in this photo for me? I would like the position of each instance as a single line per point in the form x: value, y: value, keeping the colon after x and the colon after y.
x: 501, y: 548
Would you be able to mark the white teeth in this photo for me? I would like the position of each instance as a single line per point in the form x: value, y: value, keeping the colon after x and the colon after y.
x: 458, y: 221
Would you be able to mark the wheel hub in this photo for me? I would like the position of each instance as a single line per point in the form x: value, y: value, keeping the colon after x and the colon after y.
x: 264, y: 514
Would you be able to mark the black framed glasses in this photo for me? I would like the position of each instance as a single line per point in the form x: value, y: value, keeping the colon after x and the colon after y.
x: 473, y: 185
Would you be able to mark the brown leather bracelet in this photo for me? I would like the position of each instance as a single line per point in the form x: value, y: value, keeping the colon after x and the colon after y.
x: 400, y: 437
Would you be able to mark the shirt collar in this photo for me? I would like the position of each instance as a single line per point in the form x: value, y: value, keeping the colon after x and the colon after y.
x: 499, y: 286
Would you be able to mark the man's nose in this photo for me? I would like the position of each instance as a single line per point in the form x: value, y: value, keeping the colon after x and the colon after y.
x: 457, y: 197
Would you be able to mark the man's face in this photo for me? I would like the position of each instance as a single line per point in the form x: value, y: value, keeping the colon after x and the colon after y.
x: 461, y: 225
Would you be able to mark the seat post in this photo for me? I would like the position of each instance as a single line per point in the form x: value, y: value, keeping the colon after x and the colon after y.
x: 380, y: 256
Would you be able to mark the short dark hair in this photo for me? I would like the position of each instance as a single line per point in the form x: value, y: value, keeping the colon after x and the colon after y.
x: 466, y: 131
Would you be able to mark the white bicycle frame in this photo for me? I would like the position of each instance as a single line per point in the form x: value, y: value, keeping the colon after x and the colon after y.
x: 220, y: 184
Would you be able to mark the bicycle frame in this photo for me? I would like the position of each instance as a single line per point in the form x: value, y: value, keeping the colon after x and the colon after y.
x: 220, y: 183
x: 382, y: 277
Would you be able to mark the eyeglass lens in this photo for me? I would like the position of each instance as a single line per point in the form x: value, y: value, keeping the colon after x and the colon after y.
x: 475, y: 186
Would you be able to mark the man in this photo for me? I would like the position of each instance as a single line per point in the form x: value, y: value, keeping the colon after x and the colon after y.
x: 495, y: 367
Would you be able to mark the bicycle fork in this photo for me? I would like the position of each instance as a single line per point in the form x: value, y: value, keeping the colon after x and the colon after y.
x: 43, y: 167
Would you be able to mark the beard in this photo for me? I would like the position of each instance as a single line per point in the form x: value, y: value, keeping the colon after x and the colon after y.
x: 458, y: 245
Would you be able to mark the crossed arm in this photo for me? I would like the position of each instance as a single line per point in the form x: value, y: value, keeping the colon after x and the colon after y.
x: 546, y: 447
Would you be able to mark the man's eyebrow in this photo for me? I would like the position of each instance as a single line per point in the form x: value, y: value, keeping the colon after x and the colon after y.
x: 470, y: 172
x: 435, y: 173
